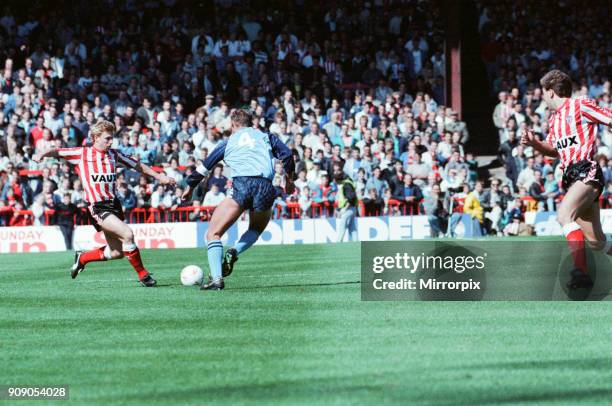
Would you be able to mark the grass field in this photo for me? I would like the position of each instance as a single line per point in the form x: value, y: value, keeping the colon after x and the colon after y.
x: 289, y: 328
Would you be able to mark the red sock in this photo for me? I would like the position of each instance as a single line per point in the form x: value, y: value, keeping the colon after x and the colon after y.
x: 94, y: 255
x: 134, y: 258
x: 575, y: 241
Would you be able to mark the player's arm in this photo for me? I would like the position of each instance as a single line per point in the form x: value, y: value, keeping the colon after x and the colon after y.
x: 71, y: 155
x: 281, y: 151
x: 52, y: 153
x: 530, y: 139
x: 162, y: 178
x: 201, y: 171
x: 129, y: 162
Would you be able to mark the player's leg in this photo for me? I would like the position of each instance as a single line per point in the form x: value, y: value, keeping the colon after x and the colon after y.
x: 258, y: 221
x: 113, y: 250
x: 590, y: 223
x: 122, y: 244
x: 226, y: 214
x: 82, y: 258
x: 578, y: 199
x: 263, y: 196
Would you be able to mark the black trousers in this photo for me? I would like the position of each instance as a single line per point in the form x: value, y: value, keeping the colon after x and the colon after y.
x: 67, y: 231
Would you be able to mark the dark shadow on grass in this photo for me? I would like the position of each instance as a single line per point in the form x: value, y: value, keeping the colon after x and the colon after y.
x: 578, y: 395
x: 356, y: 388
x: 578, y: 364
x: 297, y: 285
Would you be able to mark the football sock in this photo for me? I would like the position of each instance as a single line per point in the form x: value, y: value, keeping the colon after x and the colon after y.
x: 215, y: 258
x: 132, y: 253
x: 246, y: 240
x: 94, y: 255
x: 575, y: 241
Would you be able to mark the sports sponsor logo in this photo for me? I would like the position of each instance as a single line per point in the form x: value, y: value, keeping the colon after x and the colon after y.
x: 567, y: 142
x: 103, y: 178
x: 155, y: 235
x: 31, y: 239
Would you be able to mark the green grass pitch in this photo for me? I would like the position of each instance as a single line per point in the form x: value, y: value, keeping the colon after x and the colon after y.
x: 290, y: 328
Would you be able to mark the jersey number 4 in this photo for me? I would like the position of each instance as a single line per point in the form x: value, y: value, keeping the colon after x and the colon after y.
x: 246, y: 141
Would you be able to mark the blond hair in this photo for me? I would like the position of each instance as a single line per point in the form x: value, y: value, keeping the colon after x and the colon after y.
x: 101, y: 127
x: 241, y: 118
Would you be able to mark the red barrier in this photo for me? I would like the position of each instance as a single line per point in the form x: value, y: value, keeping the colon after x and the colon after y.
x: 204, y: 213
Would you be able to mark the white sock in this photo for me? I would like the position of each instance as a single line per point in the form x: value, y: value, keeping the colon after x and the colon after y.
x: 107, y: 253
x: 570, y: 227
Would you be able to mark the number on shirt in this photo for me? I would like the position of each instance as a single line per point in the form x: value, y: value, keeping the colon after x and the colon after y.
x: 246, y: 140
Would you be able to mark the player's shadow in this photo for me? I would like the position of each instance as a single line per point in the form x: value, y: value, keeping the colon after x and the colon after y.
x: 296, y: 285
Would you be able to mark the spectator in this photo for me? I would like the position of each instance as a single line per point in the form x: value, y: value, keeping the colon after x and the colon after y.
x: 346, y: 200
x: 127, y: 198
x: 517, y: 227
x: 65, y: 213
x: 536, y: 190
x: 21, y: 217
x: 376, y: 182
x: 214, y: 196
x: 437, y: 212
x: 305, y: 201
x: 373, y: 203
x: 409, y: 194
x: 473, y: 207
x: 493, y: 201
x: 218, y: 179
x: 551, y: 191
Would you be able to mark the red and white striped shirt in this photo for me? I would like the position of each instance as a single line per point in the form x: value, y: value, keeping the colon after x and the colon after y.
x: 97, y: 170
x: 573, y: 129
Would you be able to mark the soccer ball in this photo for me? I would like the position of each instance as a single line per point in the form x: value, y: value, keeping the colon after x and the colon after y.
x: 192, y: 275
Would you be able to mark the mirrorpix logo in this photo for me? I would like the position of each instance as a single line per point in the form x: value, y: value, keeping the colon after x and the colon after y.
x: 448, y: 272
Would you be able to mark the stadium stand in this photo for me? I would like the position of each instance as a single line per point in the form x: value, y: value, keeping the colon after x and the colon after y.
x: 357, y: 86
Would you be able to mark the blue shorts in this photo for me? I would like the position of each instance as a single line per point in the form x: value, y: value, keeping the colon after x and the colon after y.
x: 253, y: 193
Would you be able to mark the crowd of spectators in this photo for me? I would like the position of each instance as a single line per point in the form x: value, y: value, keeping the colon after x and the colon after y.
x: 350, y: 86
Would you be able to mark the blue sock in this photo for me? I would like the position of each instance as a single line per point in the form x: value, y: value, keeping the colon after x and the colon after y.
x: 215, y: 257
x: 247, y: 239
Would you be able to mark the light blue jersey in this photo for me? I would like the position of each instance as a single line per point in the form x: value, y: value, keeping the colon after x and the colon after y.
x: 249, y: 153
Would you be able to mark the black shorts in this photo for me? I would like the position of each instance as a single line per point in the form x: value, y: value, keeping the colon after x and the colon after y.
x: 253, y: 193
x: 99, y: 211
x: 585, y: 171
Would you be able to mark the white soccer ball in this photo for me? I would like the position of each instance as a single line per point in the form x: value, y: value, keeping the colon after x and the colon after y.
x: 192, y: 275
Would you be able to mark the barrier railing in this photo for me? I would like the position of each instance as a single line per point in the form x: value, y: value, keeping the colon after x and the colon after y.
x: 11, y: 217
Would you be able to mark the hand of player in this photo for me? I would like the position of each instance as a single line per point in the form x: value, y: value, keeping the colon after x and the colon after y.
x: 166, y: 180
x: 528, y: 137
x: 187, y: 193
